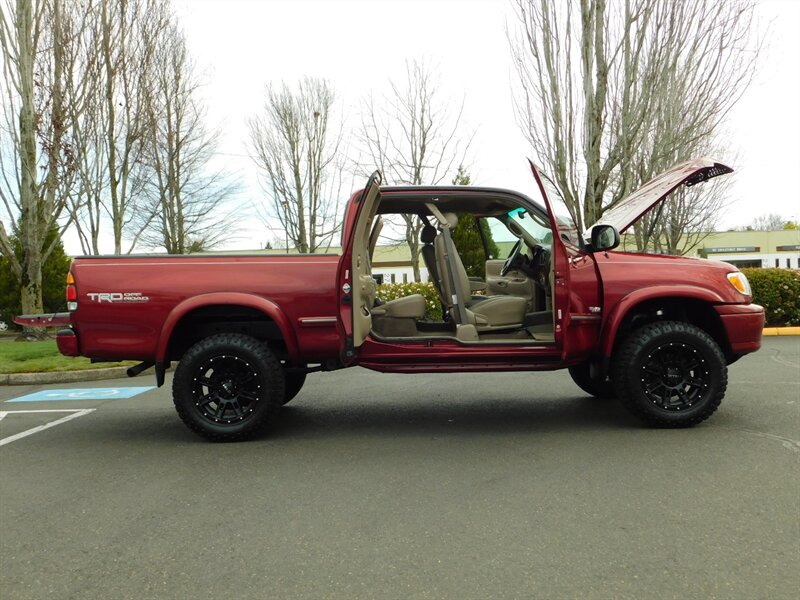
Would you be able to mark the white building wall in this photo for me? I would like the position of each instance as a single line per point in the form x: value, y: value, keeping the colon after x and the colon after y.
x: 401, y: 274
x: 782, y: 260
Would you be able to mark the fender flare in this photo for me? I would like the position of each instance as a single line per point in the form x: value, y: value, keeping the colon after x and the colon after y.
x: 269, y: 308
x: 620, y: 310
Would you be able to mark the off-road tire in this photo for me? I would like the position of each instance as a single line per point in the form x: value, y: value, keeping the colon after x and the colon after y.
x: 294, y: 383
x: 599, y: 389
x: 228, y: 387
x: 670, y: 374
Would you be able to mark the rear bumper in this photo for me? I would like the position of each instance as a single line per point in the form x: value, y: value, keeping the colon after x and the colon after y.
x: 48, y: 320
x: 743, y: 325
x: 67, y: 342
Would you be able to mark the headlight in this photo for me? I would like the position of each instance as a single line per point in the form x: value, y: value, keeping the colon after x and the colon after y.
x: 739, y: 281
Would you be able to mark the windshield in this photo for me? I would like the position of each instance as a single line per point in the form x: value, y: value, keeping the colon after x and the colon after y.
x: 533, y: 224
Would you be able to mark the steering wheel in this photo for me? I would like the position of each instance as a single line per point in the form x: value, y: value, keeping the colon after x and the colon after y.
x: 541, y: 265
x: 514, y: 260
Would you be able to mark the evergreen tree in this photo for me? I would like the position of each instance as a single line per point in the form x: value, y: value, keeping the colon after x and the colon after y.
x: 54, y: 274
x: 467, y: 237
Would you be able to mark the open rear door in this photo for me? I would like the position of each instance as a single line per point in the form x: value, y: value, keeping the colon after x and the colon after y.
x: 560, y: 275
x: 355, y: 283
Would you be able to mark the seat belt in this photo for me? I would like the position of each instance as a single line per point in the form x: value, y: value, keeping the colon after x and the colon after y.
x: 457, y: 297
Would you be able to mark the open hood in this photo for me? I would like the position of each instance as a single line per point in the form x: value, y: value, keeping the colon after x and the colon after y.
x: 632, y: 207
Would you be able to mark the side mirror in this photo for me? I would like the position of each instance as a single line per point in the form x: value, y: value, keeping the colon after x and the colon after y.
x: 604, y: 237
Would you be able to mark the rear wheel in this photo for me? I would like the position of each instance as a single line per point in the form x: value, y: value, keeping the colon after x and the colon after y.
x: 599, y: 388
x: 670, y: 374
x: 228, y: 387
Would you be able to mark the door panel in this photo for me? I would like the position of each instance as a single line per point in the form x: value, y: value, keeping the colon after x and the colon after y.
x: 515, y: 283
x: 560, y: 274
x: 357, y: 288
x: 493, y: 267
x: 575, y: 285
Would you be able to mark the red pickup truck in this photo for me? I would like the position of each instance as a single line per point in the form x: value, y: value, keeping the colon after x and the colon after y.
x: 656, y: 331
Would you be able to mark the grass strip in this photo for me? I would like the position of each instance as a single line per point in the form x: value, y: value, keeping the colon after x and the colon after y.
x: 43, y: 357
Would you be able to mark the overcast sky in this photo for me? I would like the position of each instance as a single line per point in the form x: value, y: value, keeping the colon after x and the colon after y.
x: 241, y: 45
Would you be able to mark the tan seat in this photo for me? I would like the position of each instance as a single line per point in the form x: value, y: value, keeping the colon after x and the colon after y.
x: 398, y: 318
x: 412, y: 306
x: 489, y: 312
x: 428, y: 252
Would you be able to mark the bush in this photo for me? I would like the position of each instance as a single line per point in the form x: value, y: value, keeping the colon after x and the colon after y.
x: 390, y: 291
x: 778, y: 291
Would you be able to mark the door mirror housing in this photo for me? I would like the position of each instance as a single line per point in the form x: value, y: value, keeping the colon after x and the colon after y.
x: 604, y: 237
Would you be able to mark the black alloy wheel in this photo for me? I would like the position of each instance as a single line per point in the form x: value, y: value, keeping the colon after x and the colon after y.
x: 226, y: 389
x: 675, y: 376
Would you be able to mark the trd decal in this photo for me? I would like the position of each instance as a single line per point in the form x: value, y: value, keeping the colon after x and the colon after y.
x: 112, y: 297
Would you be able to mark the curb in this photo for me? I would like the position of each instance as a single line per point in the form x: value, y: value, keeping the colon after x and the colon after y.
x: 781, y: 331
x: 62, y: 376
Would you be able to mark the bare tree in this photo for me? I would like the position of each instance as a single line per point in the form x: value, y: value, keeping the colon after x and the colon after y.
x: 37, y: 157
x: 296, y: 147
x: 769, y: 222
x: 112, y: 130
x: 414, y: 138
x: 85, y: 87
x: 610, y: 94
x: 186, y: 211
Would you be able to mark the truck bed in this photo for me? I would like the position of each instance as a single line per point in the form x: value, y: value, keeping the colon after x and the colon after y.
x: 127, y: 304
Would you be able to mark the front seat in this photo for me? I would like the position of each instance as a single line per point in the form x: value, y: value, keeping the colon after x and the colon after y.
x: 428, y: 252
x: 490, y: 312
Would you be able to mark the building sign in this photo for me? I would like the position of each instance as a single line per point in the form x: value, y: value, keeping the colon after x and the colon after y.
x: 732, y: 249
x: 789, y: 248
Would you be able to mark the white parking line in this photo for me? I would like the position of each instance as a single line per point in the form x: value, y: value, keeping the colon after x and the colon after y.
x: 18, y: 436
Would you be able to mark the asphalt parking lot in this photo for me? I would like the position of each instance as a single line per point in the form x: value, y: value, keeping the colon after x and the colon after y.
x: 503, y: 485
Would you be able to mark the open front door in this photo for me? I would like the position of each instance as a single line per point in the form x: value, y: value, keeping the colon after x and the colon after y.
x: 356, y: 286
x: 560, y: 273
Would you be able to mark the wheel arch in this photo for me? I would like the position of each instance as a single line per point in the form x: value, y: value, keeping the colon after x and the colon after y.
x: 690, y: 304
x: 207, y: 314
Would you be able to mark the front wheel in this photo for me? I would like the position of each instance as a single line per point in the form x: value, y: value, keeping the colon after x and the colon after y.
x: 228, y: 387
x: 670, y: 374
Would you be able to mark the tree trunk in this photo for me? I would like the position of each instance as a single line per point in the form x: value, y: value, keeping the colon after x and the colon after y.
x: 31, y: 297
x: 31, y: 288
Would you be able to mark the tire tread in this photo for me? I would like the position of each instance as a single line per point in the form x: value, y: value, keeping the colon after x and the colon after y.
x: 635, y: 344
x: 181, y: 386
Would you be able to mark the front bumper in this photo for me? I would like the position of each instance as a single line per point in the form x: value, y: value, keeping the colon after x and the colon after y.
x: 743, y: 325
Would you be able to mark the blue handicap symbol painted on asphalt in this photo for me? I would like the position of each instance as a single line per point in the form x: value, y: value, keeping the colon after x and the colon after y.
x: 83, y: 394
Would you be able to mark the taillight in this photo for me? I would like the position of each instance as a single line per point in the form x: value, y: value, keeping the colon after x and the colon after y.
x: 72, y: 293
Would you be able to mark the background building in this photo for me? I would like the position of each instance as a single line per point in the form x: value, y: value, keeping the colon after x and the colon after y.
x: 781, y: 249
x: 753, y: 248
